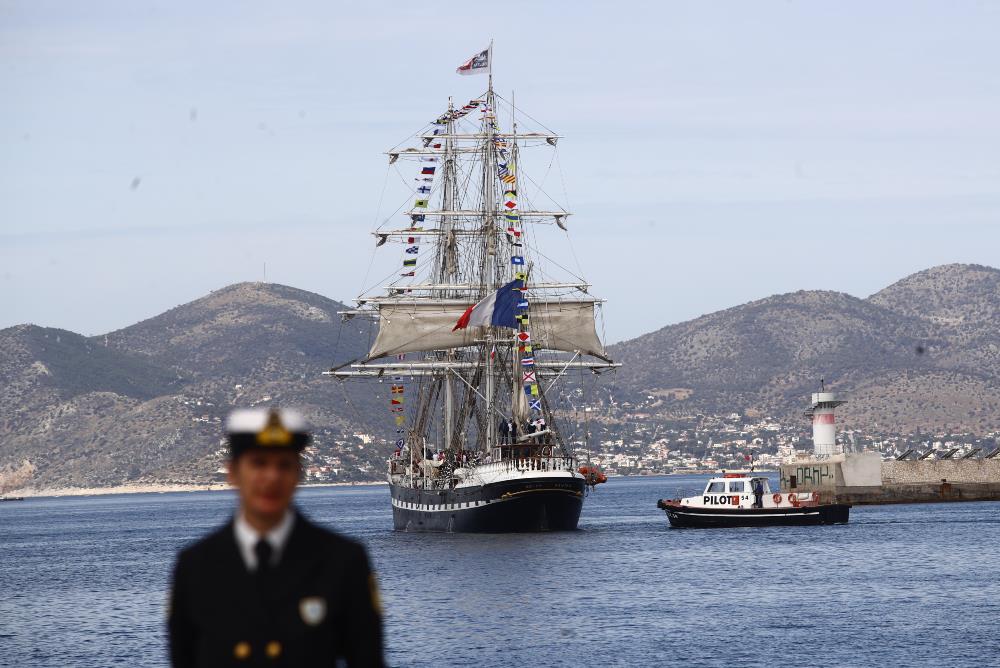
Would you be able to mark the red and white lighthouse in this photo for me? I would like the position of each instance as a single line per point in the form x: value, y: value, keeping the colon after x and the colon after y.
x: 824, y: 422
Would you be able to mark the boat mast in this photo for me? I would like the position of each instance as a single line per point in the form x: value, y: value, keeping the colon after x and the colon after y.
x: 447, y: 264
x: 489, y: 230
x: 489, y: 281
x: 518, y: 404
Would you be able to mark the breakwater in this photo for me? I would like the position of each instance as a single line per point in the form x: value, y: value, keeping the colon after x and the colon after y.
x: 864, y: 479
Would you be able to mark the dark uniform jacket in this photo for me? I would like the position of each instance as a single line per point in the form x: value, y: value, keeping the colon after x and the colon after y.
x: 318, y: 605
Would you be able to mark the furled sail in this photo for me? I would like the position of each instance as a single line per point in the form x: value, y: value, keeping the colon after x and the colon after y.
x: 410, y: 325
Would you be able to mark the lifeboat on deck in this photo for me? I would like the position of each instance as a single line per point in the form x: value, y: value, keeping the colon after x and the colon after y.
x: 729, y: 501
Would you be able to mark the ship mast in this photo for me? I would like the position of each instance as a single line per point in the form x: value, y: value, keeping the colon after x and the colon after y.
x: 489, y: 282
x: 469, y: 372
x: 448, y: 264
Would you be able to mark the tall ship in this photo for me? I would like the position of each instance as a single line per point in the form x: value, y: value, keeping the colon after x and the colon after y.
x: 480, y: 330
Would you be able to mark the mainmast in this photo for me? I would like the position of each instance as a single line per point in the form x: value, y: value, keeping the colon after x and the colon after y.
x: 489, y: 281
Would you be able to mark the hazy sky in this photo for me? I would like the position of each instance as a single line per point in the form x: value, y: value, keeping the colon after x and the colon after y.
x: 715, y: 152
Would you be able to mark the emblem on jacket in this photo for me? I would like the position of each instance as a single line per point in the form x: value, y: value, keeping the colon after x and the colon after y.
x: 313, y: 610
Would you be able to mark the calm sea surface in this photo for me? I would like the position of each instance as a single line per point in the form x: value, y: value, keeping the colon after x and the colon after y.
x: 83, y: 583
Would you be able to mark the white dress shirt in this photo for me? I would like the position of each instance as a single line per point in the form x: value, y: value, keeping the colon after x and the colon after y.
x: 247, y: 537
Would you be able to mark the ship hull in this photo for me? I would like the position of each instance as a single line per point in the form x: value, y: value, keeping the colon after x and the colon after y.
x: 529, y: 504
x: 686, y: 517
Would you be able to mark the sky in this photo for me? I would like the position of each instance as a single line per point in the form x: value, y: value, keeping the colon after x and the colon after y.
x: 714, y: 153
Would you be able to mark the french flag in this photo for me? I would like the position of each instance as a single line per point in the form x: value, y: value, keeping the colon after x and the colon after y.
x: 496, y: 310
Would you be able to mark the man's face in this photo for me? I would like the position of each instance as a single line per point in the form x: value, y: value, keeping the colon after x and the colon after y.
x: 266, y: 480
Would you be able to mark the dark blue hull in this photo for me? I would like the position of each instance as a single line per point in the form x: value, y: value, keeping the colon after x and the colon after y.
x: 686, y: 517
x: 529, y: 505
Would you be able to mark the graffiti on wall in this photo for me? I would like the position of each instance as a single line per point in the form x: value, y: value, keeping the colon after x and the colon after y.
x: 808, y: 475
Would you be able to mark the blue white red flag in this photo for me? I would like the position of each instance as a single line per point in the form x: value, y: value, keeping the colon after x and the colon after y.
x: 496, y: 310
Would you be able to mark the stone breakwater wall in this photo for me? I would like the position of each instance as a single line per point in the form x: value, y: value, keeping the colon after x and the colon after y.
x: 941, y: 492
x: 959, y: 470
x: 866, y: 479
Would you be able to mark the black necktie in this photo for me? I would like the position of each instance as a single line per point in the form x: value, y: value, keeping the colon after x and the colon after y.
x: 263, y: 550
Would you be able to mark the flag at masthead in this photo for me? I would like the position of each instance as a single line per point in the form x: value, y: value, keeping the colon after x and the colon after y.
x: 479, y: 63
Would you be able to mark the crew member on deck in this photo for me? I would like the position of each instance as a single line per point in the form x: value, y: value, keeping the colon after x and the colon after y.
x: 270, y: 588
x: 758, y: 494
x: 504, y: 431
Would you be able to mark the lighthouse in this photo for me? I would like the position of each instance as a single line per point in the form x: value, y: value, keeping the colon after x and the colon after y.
x: 824, y: 425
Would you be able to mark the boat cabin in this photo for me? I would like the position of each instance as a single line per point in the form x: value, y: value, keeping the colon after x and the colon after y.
x: 734, y: 490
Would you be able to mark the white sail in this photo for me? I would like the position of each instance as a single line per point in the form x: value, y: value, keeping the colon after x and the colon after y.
x: 412, y: 326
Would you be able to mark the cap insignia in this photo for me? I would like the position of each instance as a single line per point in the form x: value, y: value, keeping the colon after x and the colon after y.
x: 274, y: 432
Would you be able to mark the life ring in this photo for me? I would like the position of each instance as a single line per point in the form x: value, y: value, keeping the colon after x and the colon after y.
x: 777, y: 499
x: 546, y: 451
x: 793, y: 499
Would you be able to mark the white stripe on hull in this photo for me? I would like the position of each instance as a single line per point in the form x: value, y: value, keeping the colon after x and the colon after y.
x: 441, y: 507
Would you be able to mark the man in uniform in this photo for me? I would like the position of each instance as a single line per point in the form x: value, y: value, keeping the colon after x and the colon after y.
x: 271, y: 588
x: 758, y: 493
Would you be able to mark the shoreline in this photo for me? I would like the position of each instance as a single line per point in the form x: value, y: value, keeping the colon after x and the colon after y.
x: 165, y: 488
x: 156, y: 488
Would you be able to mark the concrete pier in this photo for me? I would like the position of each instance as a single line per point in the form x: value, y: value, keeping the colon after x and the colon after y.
x: 864, y: 479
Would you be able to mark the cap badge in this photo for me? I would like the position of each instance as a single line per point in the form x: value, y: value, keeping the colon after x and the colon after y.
x: 274, y: 433
x: 313, y: 610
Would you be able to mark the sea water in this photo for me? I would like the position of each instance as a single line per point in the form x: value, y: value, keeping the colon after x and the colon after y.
x: 83, y: 582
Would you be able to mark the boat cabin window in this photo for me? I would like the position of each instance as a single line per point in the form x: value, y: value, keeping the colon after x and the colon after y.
x: 737, y: 487
x: 716, y: 488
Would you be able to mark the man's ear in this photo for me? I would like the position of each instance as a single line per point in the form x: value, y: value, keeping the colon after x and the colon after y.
x: 231, y: 472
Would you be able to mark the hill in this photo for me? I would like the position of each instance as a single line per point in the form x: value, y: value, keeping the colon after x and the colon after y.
x: 920, y: 354
x: 146, y: 403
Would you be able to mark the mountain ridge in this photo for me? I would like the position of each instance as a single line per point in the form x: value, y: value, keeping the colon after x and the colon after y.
x: 769, y: 354
x: 146, y: 402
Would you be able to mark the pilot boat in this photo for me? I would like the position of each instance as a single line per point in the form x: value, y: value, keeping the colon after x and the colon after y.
x: 729, y: 501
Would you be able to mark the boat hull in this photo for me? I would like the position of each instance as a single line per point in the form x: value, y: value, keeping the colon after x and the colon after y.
x: 686, y: 517
x: 530, y: 504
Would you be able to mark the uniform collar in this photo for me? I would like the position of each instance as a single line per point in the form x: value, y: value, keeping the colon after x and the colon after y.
x: 247, y: 537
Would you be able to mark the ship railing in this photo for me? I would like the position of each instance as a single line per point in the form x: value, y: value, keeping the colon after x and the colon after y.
x: 529, y: 464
